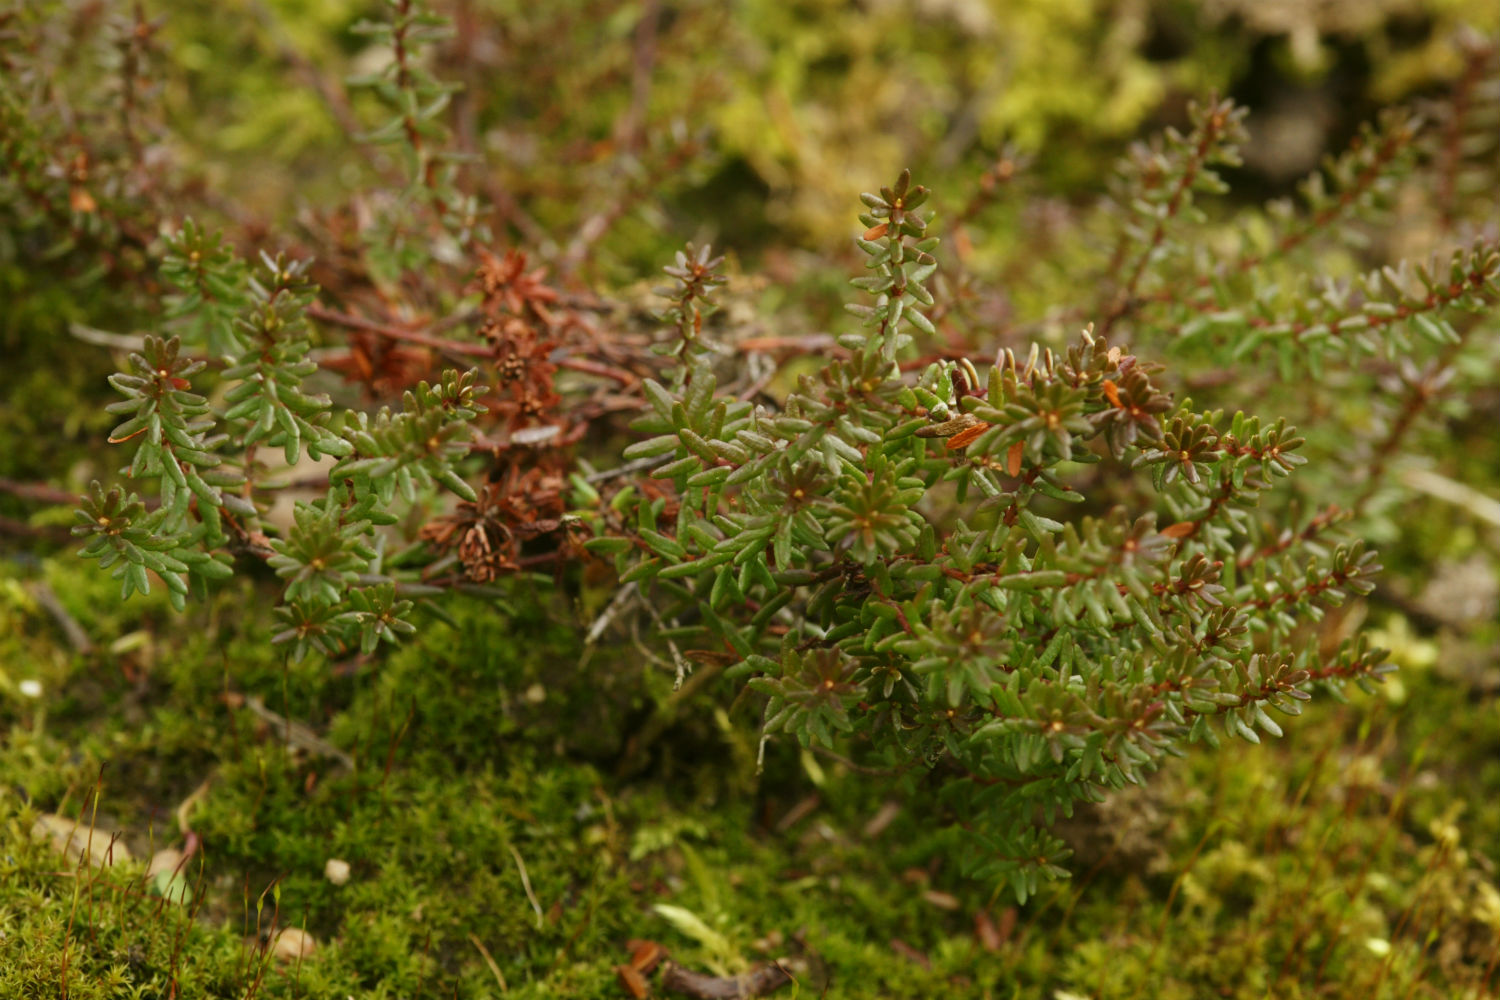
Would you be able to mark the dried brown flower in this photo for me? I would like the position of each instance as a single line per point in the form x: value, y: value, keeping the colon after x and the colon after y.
x: 384, y: 367
x: 507, y: 286
x: 488, y: 533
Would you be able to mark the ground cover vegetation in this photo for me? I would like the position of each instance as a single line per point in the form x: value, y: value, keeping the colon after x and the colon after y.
x: 466, y: 536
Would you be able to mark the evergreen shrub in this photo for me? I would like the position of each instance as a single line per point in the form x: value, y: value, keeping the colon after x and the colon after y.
x: 1010, y: 565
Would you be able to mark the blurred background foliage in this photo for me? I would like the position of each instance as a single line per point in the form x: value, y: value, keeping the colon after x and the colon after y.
x: 606, y: 134
x: 795, y: 106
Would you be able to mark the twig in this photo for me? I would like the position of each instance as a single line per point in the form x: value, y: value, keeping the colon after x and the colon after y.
x: 760, y: 381
x: 395, y: 333
x: 297, y: 735
x: 616, y: 605
x: 683, y: 670
x: 1459, y: 494
x: 45, y: 596
x: 20, y: 529
x: 1451, y: 155
x: 643, y: 649
x: 595, y: 368
x: 653, y: 728
x: 39, y: 492
x: 799, y: 812
x: 757, y: 982
x: 882, y: 772
x: 632, y: 126
x: 1421, y: 392
x: 104, y: 338
x: 186, y: 806
x: 593, y: 228
x: 490, y: 961
x: 628, y: 469
x: 465, y: 348
x: 811, y: 343
x: 1125, y: 295
x: 526, y: 884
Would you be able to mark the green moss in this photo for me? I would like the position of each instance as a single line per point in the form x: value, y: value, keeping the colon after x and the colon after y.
x: 1355, y: 857
x: 1331, y: 857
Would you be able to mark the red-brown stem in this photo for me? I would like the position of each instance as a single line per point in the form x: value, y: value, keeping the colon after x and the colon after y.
x: 1419, y: 395
x: 1316, y: 526
x: 466, y: 348
x: 38, y: 492
x: 1125, y: 299
x: 1452, y: 149
x: 1389, y: 149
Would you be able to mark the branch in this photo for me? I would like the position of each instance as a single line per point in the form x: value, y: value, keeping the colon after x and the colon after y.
x: 757, y: 982
x: 464, y: 348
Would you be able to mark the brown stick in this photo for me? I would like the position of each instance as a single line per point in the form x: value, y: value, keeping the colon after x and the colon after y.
x: 757, y: 982
x: 463, y: 347
x: 46, y: 598
x: 595, y: 368
x: 396, y: 333
x: 20, y: 529
x: 39, y: 492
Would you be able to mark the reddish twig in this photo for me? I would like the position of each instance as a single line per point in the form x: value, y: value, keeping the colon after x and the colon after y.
x: 1477, y: 62
x: 631, y: 128
x: 1125, y: 298
x: 467, y: 348
x: 37, y: 492
x: 1319, y: 523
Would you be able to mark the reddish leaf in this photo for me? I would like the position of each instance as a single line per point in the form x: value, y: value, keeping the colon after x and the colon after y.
x: 966, y: 436
x: 1013, y: 458
x: 79, y: 200
x: 645, y: 955
x: 986, y: 931
x: 635, y: 983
